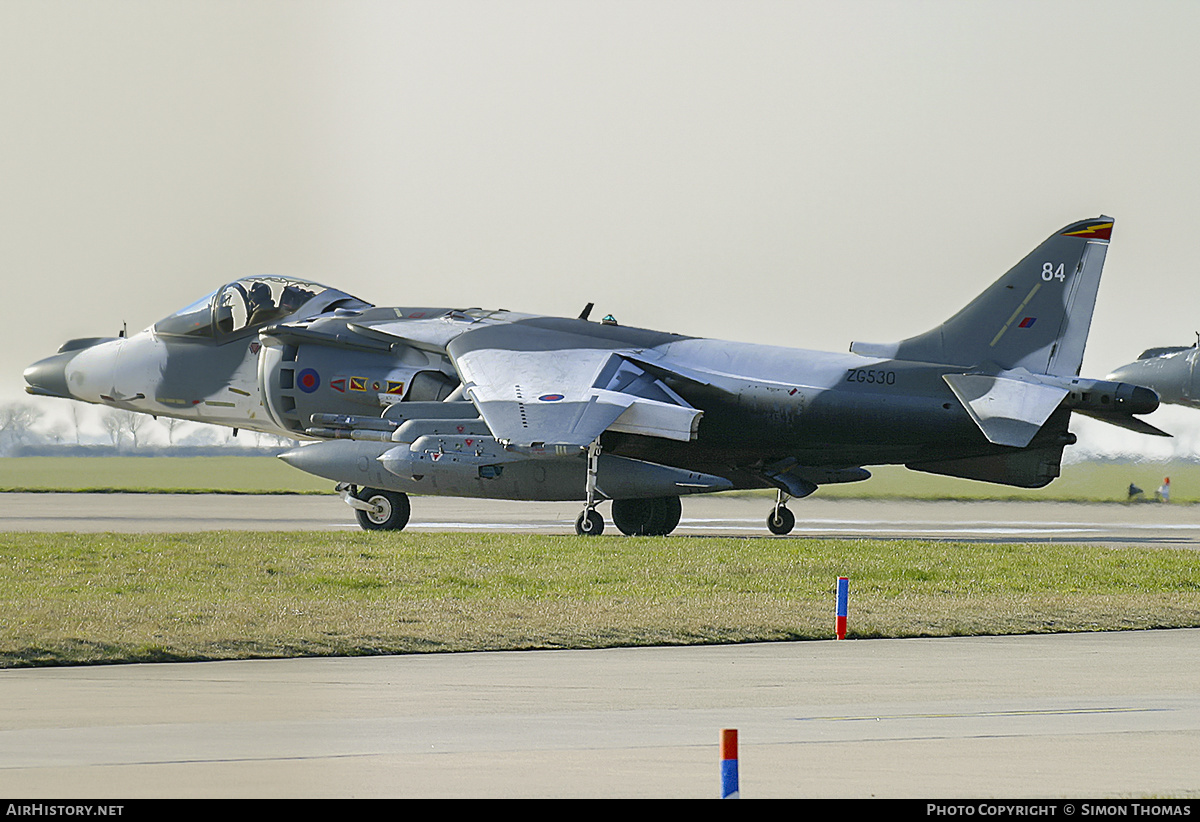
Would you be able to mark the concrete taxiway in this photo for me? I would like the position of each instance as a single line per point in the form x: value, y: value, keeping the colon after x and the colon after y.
x: 1093, y: 715
x: 1098, y: 715
x: 1146, y: 524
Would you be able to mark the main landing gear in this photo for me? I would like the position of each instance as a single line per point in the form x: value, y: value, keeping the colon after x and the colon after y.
x: 655, y: 517
x: 377, y: 510
x: 646, y: 517
x: 781, y: 521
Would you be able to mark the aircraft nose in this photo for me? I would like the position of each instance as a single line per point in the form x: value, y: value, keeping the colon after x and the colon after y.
x: 48, y: 377
x: 1123, y: 374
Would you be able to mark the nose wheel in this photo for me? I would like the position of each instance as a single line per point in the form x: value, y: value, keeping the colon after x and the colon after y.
x: 377, y: 510
x: 781, y: 521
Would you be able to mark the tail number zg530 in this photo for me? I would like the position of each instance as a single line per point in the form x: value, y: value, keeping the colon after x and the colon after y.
x: 871, y: 375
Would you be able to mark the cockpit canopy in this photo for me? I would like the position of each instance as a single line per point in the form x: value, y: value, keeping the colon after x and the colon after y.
x: 252, y: 303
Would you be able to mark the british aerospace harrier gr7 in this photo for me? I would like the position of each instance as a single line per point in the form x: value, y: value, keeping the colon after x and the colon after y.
x: 498, y: 404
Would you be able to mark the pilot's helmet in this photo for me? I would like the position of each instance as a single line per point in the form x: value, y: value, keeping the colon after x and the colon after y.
x: 260, y: 295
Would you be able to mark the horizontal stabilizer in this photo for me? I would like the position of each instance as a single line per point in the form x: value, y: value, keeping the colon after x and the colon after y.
x: 1124, y: 421
x: 1007, y: 411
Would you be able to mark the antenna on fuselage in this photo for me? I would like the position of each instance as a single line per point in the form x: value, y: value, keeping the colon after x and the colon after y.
x: 587, y: 309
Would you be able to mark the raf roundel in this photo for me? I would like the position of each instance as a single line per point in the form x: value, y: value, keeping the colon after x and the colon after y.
x: 550, y: 397
x: 308, y: 380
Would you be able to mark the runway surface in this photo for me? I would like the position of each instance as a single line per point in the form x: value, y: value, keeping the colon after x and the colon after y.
x: 1088, y: 715
x: 1085, y: 715
x: 1147, y: 524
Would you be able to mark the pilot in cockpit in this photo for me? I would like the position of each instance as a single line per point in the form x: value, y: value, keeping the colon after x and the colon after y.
x: 261, y: 304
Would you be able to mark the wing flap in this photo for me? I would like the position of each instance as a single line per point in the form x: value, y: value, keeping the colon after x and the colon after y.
x: 570, y: 397
x: 657, y: 419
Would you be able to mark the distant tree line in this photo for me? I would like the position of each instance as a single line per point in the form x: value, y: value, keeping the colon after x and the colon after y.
x: 26, y: 427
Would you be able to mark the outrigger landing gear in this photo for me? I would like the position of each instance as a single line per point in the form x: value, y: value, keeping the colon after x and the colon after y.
x: 377, y: 510
x: 590, y: 522
x: 781, y: 521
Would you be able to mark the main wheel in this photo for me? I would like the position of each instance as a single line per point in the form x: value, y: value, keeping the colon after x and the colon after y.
x: 389, y: 512
x: 670, y: 509
x: 781, y: 521
x: 589, y: 524
x: 647, y: 517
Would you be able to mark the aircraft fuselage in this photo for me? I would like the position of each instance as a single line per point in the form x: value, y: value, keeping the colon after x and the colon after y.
x: 498, y: 404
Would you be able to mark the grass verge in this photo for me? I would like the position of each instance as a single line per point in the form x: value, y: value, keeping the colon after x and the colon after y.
x: 157, y: 475
x: 1080, y: 482
x: 103, y: 598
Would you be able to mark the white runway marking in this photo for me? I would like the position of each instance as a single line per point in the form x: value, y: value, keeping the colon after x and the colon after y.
x: 874, y: 528
x: 1173, y: 525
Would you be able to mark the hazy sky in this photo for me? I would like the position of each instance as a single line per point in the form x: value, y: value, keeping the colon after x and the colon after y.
x: 794, y: 173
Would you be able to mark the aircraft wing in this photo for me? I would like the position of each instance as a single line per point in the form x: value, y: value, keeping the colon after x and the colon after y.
x: 537, y: 387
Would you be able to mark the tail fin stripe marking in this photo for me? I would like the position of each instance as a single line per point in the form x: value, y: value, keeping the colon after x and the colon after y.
x: 1020, y: 308
x: 1101, y: 231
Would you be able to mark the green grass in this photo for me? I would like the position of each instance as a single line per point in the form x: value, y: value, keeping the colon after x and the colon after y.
x: 227, y: 475
x: 1080, y: 482
x: 90, y: 598
x: 1090, y: 482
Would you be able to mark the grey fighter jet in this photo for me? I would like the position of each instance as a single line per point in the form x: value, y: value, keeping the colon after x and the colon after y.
x: 498, y: 404
x: 1171, y: 372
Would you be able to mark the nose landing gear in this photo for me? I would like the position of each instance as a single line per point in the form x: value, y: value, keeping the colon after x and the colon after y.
x: 377, y: 510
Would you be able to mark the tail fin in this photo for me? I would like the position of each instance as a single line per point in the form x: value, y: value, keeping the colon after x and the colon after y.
x: 1035, y: 317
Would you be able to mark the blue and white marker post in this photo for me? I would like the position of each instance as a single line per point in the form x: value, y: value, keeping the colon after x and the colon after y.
x: 843, y: 605
x: 729, y: 764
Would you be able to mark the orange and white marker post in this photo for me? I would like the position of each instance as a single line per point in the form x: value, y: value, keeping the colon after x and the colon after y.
x: 729, y: 764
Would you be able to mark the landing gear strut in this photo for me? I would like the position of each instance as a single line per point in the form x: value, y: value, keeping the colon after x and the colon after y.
x: 781, y: 521
x: 377, y: 510
x: 590, y: 522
